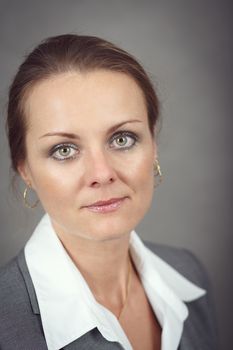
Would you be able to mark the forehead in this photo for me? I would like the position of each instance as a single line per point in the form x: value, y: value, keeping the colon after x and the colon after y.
x: 74, y: 98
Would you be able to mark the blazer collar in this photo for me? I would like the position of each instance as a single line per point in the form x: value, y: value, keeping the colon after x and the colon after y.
x: 28, y: 281
x: 165, y: 288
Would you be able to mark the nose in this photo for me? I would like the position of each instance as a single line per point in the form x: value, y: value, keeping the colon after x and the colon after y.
x: 99, y: 170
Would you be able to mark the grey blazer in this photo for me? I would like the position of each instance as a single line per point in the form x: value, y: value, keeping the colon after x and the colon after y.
x: 20, y: 322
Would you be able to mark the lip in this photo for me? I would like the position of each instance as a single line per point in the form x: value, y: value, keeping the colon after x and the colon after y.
x: 107, y: 206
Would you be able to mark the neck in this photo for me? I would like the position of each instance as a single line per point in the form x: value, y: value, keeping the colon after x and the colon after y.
x: 104, y: 265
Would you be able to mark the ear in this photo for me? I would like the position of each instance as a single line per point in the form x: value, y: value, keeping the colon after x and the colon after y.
x: 24, y: 172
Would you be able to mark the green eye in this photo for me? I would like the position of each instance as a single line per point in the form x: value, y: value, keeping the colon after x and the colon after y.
x: 64, y: 152
x: 123, y: 140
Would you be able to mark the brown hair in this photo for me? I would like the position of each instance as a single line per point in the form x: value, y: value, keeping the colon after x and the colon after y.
x: 66, y: 53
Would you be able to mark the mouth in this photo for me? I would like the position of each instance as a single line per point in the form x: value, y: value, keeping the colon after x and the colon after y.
x: 106, y: 206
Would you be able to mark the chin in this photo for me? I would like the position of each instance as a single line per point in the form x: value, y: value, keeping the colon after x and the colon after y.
x: 101, y: 227
x: 105, y: 237
x: 109, y: 228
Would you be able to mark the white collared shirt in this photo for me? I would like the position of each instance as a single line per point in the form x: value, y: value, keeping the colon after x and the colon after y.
x: 68, y: 308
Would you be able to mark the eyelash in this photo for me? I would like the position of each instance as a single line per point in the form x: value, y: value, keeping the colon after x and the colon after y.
x: 120, y: 134
x: 61, y: 146
x: 134, y: 138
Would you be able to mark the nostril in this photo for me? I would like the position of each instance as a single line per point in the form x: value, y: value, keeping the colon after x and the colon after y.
x: 99, y: 183
x: 100, y: 171
x: 95, y: 184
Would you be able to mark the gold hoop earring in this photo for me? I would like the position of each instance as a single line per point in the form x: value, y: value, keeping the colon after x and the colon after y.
x: 26, y: 203
x: 157, y: 172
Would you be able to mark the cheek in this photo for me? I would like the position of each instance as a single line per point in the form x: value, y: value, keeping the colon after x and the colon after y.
x: 54, y: 184
x: 141, y: 181
x: 141, y: 170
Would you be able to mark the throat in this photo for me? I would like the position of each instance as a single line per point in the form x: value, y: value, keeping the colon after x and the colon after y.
x: 117, y: 303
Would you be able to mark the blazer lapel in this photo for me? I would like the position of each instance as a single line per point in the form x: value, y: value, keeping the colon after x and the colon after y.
x: 90, y: 340
x: 28, y: 281
x: 93, y: 340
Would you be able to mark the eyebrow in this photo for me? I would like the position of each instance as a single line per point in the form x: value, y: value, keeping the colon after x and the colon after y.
x: 75, y: 136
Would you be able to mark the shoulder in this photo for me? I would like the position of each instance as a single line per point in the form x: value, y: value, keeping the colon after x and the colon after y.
x: 16, y: 288
x: 182, y: 260
x: 13, y: 292
x: 200, y: 327
x: 10, y: 281
x: 19, y: 324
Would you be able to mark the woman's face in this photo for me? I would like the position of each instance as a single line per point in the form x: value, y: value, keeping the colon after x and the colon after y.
x: 90, y: 153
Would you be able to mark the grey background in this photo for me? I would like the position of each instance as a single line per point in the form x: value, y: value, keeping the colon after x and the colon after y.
x: 186, y: 46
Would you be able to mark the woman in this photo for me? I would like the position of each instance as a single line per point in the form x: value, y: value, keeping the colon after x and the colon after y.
x: 82, y: 120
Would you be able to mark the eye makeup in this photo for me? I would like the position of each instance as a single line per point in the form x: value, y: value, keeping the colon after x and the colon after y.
x: 64, y: 151
x: 123, y: 139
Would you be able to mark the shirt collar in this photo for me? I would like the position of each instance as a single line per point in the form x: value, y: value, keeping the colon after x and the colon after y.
x: 166, y: 290
x: 68, y: 308
x: 146, y: 262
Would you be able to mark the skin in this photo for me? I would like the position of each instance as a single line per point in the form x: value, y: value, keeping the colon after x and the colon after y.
x: 104, y: 162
